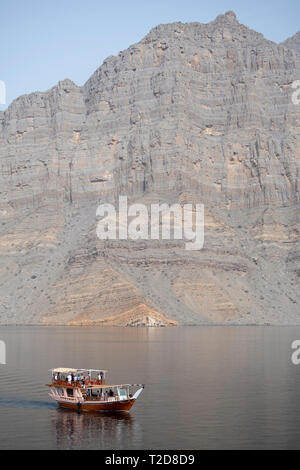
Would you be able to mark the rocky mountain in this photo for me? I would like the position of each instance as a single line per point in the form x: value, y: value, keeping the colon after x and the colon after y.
x: 193, y: 113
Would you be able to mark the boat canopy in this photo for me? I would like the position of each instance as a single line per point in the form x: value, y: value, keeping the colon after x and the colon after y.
x: 64, y: 370
x: 95, y: 387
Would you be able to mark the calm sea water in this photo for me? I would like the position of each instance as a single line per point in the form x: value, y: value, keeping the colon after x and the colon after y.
x: 206, y: 388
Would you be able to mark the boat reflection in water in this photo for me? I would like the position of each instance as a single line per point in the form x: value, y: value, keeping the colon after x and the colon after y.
x: 95, y: 430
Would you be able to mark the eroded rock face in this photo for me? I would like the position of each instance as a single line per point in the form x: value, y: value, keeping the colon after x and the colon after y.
x: 293, y: 43
x: 192, y: 113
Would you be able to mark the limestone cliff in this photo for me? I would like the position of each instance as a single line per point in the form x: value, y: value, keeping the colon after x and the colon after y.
x: 192, y: 113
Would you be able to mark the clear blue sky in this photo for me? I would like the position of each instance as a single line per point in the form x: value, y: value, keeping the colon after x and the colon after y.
x: 44, y: 41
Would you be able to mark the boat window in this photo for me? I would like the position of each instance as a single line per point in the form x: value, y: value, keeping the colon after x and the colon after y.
x: 70, y: 392
x: 60, y: 392
x: 123, y: 393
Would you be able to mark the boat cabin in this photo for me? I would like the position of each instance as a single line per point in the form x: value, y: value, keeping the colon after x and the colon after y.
x: 81, y: 387
x: 79, y: 378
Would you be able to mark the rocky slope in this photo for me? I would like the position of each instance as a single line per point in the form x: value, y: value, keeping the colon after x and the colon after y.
x: 192, y: 113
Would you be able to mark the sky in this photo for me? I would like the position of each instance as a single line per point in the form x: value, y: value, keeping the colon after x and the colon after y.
x: 44, y: 41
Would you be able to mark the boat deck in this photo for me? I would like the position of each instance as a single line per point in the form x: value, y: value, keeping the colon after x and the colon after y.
x: 87, y: 385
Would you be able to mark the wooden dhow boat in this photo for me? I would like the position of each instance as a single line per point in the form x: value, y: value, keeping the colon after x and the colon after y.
x: 86, y: 390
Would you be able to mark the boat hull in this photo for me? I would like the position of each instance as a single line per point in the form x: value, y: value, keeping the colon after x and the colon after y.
x: 118, y: 406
